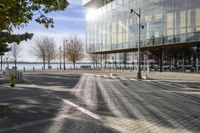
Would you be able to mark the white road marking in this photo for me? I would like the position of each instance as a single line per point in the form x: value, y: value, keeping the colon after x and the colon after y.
x: 83, y: 110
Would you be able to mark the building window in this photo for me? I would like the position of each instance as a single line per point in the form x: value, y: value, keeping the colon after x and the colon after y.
x: 182, y: 21
x: 197, y: 19
x: 170, y: 24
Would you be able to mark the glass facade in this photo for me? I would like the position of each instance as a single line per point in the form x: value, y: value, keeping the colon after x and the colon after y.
x: 111, y: 26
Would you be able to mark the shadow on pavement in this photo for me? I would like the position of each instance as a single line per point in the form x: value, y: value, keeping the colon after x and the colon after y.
x: 37, y: 112
x: 165, y: 105
x: 67, y: 81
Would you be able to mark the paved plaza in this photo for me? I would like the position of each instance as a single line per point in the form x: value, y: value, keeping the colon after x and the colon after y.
x: 57, y: 102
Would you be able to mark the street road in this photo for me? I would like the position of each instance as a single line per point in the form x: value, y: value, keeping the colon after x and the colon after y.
x: 86, y: 103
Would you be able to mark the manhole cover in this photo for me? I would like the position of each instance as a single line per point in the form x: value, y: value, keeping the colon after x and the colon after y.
x: 6, y: 110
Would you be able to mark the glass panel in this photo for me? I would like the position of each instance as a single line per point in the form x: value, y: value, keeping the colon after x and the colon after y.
x: 170, y: 24
x: 197, y: 19
x: 182, y: 22
x: 189, y: 24
x: 164, y: 21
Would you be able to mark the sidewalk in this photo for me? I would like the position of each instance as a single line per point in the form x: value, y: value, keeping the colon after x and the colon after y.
x: 160, y: 75
x: 24, y: 106
x: 3, y: 78
x: 132, y: 74
x: 173, y: 76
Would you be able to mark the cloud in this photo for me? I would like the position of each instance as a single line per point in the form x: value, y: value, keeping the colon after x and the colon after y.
x: 69, y: 18
x: 82, y: 11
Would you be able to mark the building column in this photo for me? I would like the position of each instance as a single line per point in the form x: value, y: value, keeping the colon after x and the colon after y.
x: 197, y: 59
x: 115, y: 60
x: 105, y: 61
x: 133, y: 61
x: 145, y: 61
x: 101, y: 61
x: 161, y: 59
x: 171, y: 59
x: 183, y: 59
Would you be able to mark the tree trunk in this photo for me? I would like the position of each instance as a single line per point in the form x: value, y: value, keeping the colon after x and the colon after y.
x: 1, y: 62
x: 74, y: 64
x: 49, y: 65
x: 43, y: 64
x: 15, y: 64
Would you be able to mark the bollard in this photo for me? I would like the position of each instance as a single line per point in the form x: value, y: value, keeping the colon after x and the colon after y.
x: 12, y: 79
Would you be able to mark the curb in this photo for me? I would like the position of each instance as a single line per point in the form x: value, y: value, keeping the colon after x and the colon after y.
x: 4, y: 80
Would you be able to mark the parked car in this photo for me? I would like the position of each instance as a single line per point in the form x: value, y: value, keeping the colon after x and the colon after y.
x: 195, y: 67
x: 168, y: 67
x: 190, y: 68
x: 85, y: 67
x: 154, y: 67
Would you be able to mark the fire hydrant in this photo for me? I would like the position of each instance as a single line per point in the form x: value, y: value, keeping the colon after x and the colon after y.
x: 12, y: 80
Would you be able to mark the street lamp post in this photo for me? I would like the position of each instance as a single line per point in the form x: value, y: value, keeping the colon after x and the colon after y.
x: 7, y: 62
x: 64, y: 54
x: 60, y: 57
x: 139, y: 75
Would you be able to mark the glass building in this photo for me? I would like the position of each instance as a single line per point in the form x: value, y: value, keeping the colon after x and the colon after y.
x: 111, y: 28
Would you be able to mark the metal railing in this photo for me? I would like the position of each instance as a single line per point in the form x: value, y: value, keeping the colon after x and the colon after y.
x: 181, y: 38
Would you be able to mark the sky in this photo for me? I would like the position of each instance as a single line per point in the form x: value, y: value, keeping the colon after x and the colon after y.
x: 67, y: 23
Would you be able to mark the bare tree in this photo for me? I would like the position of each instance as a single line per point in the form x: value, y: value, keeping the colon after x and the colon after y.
x: 95, y: 58
x: 74, y: 50
x: 15, y: 50
x: 39, y: 50
x: 45, y: 49
x: 50, y: 49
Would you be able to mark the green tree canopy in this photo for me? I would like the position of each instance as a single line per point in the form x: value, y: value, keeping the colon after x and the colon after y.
x: 6, y: 37
x: 18, y: 13
x: 4, y: 48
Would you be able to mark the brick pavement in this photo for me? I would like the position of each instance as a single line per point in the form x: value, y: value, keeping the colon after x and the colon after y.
x: 29, y: 109
x: 166, y: 106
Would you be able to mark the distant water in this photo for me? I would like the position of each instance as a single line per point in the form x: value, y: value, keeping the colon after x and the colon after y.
x: 39, y: 66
